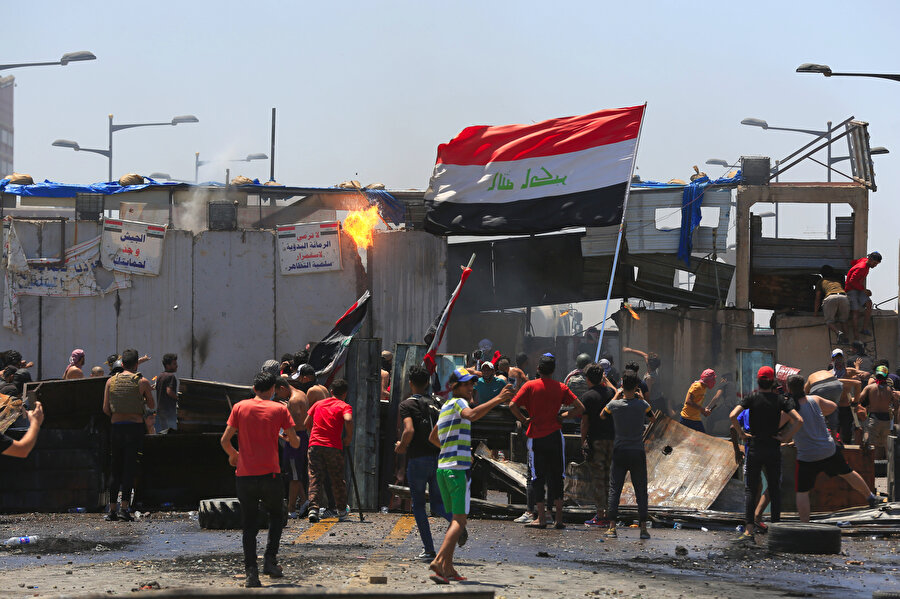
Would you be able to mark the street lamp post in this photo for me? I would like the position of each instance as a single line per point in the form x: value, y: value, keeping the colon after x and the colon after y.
x: 68, y: 57
x: 198, y: 163
x: 67, y: 143
x: 824, y: 69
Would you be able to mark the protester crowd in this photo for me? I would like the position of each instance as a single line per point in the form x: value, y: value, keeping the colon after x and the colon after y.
x: 296, y: 430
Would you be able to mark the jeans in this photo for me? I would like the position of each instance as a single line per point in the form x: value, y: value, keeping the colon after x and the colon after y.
x: 420, y: 472
x: 635, y: 462
x: 762, y: 455
x: 693, y: 424
x: 126, y: 440
x: 268, y: 489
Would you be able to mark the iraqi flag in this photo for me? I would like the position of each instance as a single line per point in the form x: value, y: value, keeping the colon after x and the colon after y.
x: 329, y: 354
x: 565, y: 172
x: 436, y: 331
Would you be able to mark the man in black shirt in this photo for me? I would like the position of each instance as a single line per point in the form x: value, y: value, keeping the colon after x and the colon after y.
x: 597, y: 436
x: 769, y: 411
x: 419, y: 415
x: 167, y: 394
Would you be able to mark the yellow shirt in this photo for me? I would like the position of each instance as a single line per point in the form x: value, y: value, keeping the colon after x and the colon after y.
x: 697, y: 393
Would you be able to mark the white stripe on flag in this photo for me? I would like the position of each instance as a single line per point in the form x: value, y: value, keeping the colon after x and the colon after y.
x: 533, y: 178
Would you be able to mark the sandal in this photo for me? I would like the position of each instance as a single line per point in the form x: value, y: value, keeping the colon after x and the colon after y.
x: 437, y: 576
x: 535, y: 524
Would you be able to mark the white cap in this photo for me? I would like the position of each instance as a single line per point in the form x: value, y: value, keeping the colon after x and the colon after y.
x: 488, y: 364
x: 837, y: 352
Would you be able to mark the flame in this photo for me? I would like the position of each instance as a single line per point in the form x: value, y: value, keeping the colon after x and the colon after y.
x: 360, y: 226
x: 561, y: 314
x: 633, y: 313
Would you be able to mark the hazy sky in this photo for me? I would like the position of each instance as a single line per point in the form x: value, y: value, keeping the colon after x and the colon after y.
x: 367, y: 90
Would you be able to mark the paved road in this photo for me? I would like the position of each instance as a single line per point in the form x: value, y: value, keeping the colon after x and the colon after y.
x: 501, y: 556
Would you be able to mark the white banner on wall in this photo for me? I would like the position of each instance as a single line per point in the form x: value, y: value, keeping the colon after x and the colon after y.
x: 309, y: 247
x: 133, y: 247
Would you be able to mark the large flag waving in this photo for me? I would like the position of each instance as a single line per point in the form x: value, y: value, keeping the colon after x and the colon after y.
x: 329, y: 354
x: 571, y: 171
x: 436, y: 330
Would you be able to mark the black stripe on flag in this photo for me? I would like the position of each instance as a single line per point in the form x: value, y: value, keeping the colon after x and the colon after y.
x: 329, y: 354
x: 594, y: 208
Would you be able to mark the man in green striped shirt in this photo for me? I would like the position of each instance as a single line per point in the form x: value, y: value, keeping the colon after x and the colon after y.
x: 453, y: 434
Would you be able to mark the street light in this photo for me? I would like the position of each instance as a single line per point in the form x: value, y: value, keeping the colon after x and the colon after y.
x: 68, y: 57
x: 872, y: 152
x: 198, y: 163
x: 824, y: 69
x: 820, y: 135
x: 67, y: 143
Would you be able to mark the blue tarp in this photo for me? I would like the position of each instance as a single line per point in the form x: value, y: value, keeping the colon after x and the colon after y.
x: 691, y: 201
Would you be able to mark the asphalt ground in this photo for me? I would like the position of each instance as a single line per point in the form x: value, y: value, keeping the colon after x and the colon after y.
x: 81, y: 553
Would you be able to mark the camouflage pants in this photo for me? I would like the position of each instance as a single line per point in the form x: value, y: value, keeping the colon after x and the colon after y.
x: 600, y: 465
x: 326, y: 462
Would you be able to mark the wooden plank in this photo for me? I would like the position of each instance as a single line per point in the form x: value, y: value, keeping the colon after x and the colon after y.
x: 685, y: 468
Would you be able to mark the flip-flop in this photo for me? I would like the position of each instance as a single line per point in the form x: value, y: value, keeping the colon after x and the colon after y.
x: 535, y: 525
x: 457, y: 578
x: 437, y: 577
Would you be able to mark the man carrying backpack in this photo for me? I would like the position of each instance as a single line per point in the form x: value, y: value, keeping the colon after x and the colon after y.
x: 419, y: 415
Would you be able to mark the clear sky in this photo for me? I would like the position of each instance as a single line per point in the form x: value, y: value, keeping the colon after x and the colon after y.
x: 367, y: 90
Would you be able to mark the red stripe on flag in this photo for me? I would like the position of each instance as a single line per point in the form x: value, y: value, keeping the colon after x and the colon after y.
x: 351, y: 309
x: 481, y: 145
x: 430, y: 359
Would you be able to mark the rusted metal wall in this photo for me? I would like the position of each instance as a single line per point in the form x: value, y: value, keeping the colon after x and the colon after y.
x: 363, y: 373
x: 410, y: 283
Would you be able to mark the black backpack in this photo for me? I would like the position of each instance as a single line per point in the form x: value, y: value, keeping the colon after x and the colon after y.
x: 427, y: 418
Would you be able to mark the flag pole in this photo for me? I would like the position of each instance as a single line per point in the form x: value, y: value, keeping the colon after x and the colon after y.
x: 612, y: 275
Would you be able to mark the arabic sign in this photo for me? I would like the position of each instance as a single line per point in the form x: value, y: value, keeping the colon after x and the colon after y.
x: 309, y: 247
x: 503, y: 182
x: 133, y: 247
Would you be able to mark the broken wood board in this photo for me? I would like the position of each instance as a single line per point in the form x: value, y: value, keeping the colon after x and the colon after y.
x: 686, y: 469
x: 10, y: 410
x: 514, y: 473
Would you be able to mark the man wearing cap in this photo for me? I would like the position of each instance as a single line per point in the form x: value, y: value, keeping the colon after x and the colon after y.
x: 858, y: 294
x: 543, y: 398
x: 693, y: 402
x: 453, y: 434
x: 489, y: 385
x: 769, y: 411
x: 880, y: 402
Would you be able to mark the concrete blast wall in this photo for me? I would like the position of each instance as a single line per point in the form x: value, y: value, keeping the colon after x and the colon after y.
x: 234, y: 309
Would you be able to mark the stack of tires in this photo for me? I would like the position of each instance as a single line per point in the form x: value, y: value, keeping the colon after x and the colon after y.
x: 225, y: 514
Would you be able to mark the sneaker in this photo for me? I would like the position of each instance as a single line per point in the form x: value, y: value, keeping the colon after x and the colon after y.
x: 322, y: 511
x: 761, y: 526
x: 611, y: 533
x: 524, y: 518
x: 313, y: 516
x: 463, y: 537
x: 596, y: 521
x: 426, y: 555
x: 746, y: 538
x: 323, y: 514
x: 875, y: 500
x: 842, y: 337
x: 125, y: 515
x: 343, y: 515
x: 644, y: 534
x: 111, y: 516
x: 272, y: 569
x: 293, y: 515
x: 252, y: 581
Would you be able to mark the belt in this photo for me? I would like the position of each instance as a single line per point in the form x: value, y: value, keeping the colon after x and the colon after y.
x: 830, y: 294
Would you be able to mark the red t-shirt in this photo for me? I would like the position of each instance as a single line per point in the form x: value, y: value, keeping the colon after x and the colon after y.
x: 258, y: 422
x: 856, y: 276
x: 543, y: 398
x: 328, y: 422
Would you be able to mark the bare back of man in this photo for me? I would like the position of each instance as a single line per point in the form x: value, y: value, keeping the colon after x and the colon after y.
x: 314, y: 394
x: 879, y: 400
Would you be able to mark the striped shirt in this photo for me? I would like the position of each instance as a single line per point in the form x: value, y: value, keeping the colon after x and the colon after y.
x: 455, y: 434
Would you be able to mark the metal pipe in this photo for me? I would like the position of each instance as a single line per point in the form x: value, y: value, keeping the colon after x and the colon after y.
x: 272, y: 150
x: 109, y: 157
x: 828, y: 206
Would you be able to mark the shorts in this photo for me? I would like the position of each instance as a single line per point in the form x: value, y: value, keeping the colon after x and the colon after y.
x: 858, y: 299
x: 455, y: 490
x: 808, y: 471
x: 294, y: 462
x: 693, y: 424
x: 836, y: 308
x: 878, y: 430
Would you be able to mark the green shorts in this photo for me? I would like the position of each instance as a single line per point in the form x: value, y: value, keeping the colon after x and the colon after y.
x: 454, y: 485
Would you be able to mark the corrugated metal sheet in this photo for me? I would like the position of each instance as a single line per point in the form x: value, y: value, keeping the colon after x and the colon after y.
x: 655, y: 280
x: 409, y: 272
x: 363, y: 373
x: 801, y: 256
x: 642, y: 234
x: 685, y: 468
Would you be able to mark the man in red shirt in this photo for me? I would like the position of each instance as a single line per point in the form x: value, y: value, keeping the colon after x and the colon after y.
x: 543, y: 398
x: 857, y: 294
x: 328, y: 420
x: 257, y: 423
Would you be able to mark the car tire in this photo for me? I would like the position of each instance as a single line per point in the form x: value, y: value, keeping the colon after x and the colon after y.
x: 804, y: 537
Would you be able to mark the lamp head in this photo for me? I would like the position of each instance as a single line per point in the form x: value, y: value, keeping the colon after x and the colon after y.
x: 256, y: 157
x: 718, y: 162
x: 187, y: 118
x: 879, y: 150
x: 160, y: 176
x: 809, y: 67
x: 755, y: 123
x: 66, y: 143
x: 76, y: 57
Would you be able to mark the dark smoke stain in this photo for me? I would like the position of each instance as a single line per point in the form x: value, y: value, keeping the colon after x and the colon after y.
x: 201, y: 348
